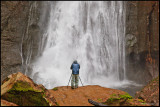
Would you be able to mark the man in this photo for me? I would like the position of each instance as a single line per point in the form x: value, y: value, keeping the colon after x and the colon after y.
x: 75, y: 74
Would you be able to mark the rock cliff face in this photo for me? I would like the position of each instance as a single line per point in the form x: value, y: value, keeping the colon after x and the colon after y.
x: 14, y: 16
x: 142, y: 40
x: 142, y: 26
x: 22, y: 28
x: 37, y: 21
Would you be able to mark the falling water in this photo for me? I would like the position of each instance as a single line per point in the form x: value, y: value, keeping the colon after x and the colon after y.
x: 93, y: 33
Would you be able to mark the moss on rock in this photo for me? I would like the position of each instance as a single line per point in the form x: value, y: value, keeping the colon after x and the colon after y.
x: 125, y: 96
x: 57, y: 104
x: 55, y: 89
x: 140, y: 100
x: 118, y: 99
x: 123, y: 100
x: 99, y: 99
x: 23, y: 94
x: 21, y: 86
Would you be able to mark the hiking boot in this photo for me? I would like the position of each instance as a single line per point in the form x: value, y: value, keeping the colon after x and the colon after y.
x: 73, y: 87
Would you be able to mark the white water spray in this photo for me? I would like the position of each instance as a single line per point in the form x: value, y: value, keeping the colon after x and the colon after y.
x: 93, y: 33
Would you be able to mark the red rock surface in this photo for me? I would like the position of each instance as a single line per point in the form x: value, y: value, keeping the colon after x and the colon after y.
x: 6, y: 103
x: 79, y: 97
x: 150, y: 93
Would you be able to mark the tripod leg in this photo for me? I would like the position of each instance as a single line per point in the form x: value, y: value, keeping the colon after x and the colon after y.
x: 80, y: 80
x: 69, y: 80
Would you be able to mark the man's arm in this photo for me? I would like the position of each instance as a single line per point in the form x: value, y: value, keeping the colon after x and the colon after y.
x: 71, y: 67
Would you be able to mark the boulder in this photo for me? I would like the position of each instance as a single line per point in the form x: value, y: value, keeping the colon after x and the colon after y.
x: 21, y: 90
x: 150, y: 93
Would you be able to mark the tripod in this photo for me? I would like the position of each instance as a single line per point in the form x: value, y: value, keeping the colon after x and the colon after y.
x: 70, y: 79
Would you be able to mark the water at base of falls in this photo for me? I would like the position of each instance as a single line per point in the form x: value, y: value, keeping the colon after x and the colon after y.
x: 93, y: 33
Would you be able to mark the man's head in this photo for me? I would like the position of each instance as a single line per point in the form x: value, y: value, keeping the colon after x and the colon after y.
x: 75, y: 61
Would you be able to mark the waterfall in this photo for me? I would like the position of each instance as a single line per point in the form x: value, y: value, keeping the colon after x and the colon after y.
x: 93, y: 33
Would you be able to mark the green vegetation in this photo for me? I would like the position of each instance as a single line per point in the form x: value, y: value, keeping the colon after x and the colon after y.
x: 29, y: 98
x: 55, y: 89
x: 140, y: 100
x: 155, y: 79
x: 57, y: 104
x: 125, y: 96
x: 118, y: 98
x: 113, y: 95
x: 143, y: 103
x: 21, y: 86
x: 43, y: 90
x: 111, y: 100
x: 123, y: 100
x: 23, y: 94
x: 99, y: 99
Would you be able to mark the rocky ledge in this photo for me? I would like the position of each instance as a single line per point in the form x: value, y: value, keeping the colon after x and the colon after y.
x: 19, y: 90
